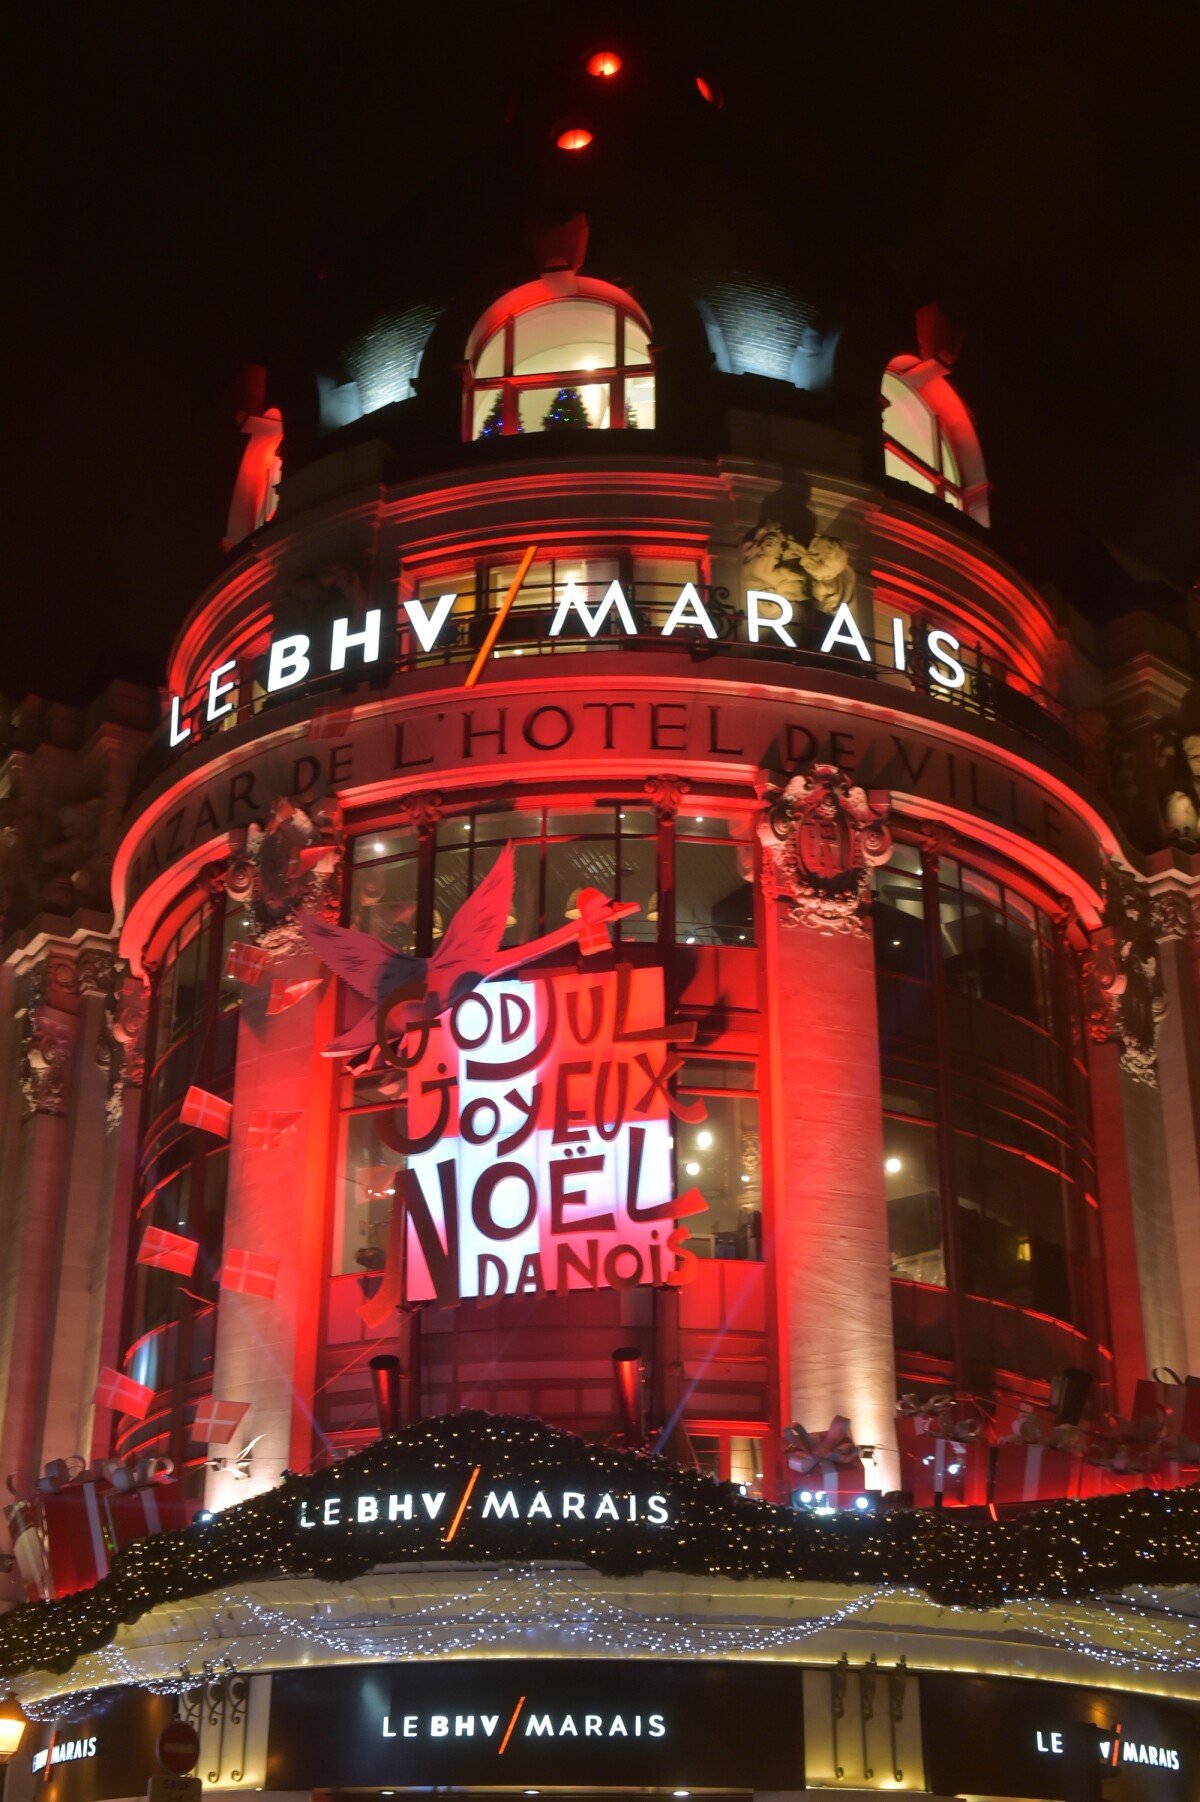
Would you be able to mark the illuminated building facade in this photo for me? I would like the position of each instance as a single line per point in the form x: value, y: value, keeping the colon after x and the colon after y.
x: 627, y: 921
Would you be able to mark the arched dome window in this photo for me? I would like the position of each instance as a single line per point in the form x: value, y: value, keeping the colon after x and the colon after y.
x: 929, y: 438
x: 552, y: 356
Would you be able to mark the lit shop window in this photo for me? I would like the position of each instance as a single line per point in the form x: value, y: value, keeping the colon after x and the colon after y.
x: 910, y: 1168
x: 714, y: 877
x: 366, y: 1180
x: 383, y: 888
x: 1013, y: 1205
x: 558, y: 853
x: 929, y: 438
x: 721, y: 1156
x: 539, y: 363
x: 730, y: 1458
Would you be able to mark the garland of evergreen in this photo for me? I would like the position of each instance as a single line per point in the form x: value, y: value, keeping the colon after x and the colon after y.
x: 1064, y: 1550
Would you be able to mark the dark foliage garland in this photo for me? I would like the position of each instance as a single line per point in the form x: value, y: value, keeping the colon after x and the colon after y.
x: 1064, y: 1550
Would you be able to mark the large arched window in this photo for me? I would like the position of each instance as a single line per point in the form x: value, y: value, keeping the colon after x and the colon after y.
x: 929, y: 438
x: 548, y: 358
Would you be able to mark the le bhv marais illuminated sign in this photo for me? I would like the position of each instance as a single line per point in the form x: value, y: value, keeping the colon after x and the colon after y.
x: 294, y: 658
x: 443, y: 1511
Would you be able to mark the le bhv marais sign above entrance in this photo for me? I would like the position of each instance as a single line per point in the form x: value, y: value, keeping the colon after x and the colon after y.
x: 295, y: 658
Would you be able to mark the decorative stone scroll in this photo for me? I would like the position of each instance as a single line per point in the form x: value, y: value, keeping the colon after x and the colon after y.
x: 822, y: 836
x: 1124, y: 993
x: 291, y: 863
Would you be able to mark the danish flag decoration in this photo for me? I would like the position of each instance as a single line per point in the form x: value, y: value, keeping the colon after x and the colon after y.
x: 266, y: 1129
x: 168, y: 1251
x: 250, y: 1273
x: 246, y: 963
x: 216, y: 1421
x: 285, y: 993
x: 208, y: 1112
x: 122, y: 1394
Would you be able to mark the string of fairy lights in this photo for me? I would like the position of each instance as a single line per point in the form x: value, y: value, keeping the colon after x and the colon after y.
x: 537, y: 1609
x: 1051, y: 1554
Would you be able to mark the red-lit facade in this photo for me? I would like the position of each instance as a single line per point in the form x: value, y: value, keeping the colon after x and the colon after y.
x: 914, y: 1096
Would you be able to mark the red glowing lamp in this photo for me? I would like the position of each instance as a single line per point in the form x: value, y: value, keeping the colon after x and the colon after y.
x: 605, y: 63
x: 577, y: 138
x: 708, y: 91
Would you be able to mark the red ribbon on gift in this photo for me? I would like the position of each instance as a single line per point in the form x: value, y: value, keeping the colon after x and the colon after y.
x: 805, y: 1454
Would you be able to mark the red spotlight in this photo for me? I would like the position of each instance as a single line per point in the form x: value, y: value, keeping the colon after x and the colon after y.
x: 605, y: 62
x: 575, y: 139
x: 709, y: 92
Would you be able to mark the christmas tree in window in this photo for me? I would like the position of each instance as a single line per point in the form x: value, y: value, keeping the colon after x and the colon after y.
x: 493, y: 425
x: 567, y: 412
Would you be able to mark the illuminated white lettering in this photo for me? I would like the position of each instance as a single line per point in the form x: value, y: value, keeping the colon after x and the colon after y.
x: 410, y: 1726
x: 657, y: 1510
x: 689, y: 610
x: 389, y: 1732
x: 217, y: 688
x: 428, y: 625
x: 572, y: 1504
x: 433, y: 1503
x: 592, y: 1725
x: 489, y: 1723
x: 537, y: 1726
x: 618, y: 1726
x: 899, y: 652
x: 344, y: 639
x: 540, y: 1507
x: 606, y: 1509
x: 567, y: 1725
x: 178, y: 731
x: 503, y: 1507
x: 843, y: 630
x: 779, y: 625
x: 573, y: 600
x: 332, y: 1512
x: 303, y: 1518
x: 464, y: 1725
x: 368, y: 1508
x: 400, y: 1506
x: 288, y: 662
x: 658, y: 1727
x: 951, y: 673
x: 439, y: 1726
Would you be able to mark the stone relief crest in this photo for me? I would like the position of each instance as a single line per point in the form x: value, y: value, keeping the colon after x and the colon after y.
x: 818, y: 572
x: 1125, y: 997
x: 292, y: 862
x: 822, y: 835
x: 1177, y: 754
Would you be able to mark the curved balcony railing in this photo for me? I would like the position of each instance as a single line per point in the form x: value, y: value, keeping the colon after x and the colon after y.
x: 991, y: 691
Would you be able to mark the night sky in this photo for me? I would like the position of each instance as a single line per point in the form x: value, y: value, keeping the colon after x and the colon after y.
x: 178, y: 174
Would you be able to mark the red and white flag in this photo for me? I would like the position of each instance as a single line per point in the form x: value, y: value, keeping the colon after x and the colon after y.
x: 122, y: 1394
x: 246, y: 963
x: 329, y: 722
x: 216, y: 1421
x: 168, y: 1251
x: 285, y: 993
x: 266, y: 1129
x: 208, y: 1112
x: 250, y: 1273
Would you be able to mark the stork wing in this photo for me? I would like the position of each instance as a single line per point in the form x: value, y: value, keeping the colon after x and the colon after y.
x: 369, y: 965
x: 473, y: 936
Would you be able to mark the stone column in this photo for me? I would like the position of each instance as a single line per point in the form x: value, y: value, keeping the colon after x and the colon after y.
x: 1176, y: 914
x: 266, y: 1349
x: 35, y: 1173
x: 821, y: 836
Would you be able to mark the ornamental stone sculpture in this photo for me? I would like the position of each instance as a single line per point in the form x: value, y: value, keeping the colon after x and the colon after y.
x: 291, y: 863
x: 822, y: 835
x: 818, y: 572
x: 1125, y: 995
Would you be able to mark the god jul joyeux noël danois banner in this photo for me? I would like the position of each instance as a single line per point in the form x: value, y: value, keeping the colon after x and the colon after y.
x: 533, y: 1115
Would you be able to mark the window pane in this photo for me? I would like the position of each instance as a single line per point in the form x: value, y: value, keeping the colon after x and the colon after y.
x: 637, y: 344
x: 904, y: 472
x: 639, y: 882
x: 566, y: 334
x: 746, y: 1463
x: 722, y: 1157
x: 914, y: 1210
x: 714, y: 902
x: 487, y: 413
x: 384, y: 845
x: 571, y: 867
x: 1011, y: 1223
x: 908, y: 421
x: 498, y: 828
x: 578, y: 404
x: 363, y: 1197
x: 898, y: 919
x: 383, y: 901
x: 490, y: 360
x: 639, y: 403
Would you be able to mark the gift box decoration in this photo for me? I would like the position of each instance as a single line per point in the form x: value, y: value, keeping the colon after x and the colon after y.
x: 828, y: 1464
x: 145, y: 1499
x: 1027, y: 1472
x: 29, y: 1547
x: 1170, y: 1402
x: 73, y: 1527
x: 951, y: 1473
